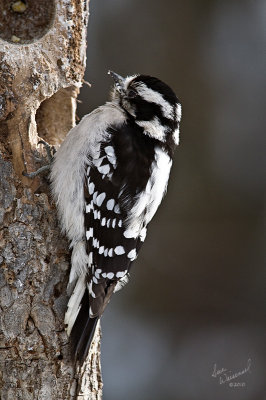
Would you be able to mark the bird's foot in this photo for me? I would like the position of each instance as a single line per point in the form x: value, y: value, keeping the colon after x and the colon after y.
x: 50, y: 151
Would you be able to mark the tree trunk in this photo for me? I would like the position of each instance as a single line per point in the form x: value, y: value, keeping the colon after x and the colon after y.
x: 42, y: 56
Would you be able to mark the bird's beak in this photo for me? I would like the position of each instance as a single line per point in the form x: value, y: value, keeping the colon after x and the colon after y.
x: 119, y: 80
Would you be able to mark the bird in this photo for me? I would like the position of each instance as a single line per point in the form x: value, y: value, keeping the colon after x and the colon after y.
x: 108, y: 179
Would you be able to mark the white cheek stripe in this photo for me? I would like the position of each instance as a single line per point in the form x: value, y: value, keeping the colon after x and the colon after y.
x: 153, y: 128
x: 155, y: 97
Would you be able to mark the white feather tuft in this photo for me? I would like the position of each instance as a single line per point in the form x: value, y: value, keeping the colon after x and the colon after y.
x: 79, y: 264
x: 73, y: 306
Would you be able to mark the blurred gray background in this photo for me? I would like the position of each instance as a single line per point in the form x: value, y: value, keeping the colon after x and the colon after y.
x: 196, y: 300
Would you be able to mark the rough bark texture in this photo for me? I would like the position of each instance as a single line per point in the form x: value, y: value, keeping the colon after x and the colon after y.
x: 42, y: 65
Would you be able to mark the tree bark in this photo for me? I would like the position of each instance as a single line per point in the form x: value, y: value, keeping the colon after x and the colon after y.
x: 42, y: 56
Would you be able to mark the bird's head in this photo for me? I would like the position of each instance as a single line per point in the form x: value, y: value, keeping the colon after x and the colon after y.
x: 151, y: 103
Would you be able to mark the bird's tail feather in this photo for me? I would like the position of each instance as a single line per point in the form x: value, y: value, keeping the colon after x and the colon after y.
x: 83, y: 331
x: 74, y: 303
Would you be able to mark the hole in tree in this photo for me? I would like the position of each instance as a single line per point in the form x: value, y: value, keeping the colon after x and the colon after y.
x: 25, y: 21
x: 57, y: 290
x: 56, y: 116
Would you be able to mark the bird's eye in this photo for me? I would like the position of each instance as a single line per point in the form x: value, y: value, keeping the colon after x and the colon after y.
x: 131, y: 94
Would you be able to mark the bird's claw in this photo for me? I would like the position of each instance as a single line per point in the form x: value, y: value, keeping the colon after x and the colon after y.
x: 50, y: 151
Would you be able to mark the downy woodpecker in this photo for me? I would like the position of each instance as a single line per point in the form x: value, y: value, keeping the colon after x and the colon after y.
x: 108, y: 179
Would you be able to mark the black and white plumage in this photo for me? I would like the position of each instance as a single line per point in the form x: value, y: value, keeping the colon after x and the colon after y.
x: 108, y: 179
